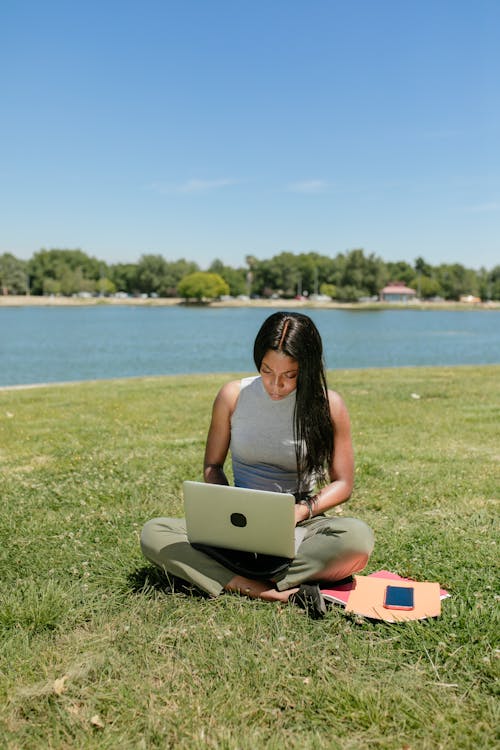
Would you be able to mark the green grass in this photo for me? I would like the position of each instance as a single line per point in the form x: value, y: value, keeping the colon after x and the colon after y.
x: 95, y: 652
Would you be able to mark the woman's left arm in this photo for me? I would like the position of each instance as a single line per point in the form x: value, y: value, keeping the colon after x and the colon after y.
x: 341, y: 469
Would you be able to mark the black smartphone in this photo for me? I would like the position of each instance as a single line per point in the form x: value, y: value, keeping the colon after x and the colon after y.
x: 398, y: 597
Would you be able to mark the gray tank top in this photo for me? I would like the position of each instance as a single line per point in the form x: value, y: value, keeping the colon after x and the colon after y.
x: 262, y: 444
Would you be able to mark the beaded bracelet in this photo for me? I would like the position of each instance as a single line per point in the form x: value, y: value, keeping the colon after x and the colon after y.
x: 309, y: 501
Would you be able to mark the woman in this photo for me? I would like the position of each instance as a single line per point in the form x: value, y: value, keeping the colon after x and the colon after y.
x: 286, y: 432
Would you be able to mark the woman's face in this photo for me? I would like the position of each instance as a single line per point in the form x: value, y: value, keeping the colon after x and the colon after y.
x: 279, y: 374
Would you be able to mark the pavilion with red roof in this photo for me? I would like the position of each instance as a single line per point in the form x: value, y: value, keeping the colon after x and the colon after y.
x: 397, y: 291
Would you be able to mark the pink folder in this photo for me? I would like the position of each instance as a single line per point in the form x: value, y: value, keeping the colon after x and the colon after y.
x: 365, y: 596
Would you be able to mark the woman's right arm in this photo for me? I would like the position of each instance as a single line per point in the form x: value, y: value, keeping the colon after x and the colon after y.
x: 219, y: 433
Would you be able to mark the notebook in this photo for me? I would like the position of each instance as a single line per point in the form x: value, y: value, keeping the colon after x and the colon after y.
x: 241, y: 519
x: 339, y: 592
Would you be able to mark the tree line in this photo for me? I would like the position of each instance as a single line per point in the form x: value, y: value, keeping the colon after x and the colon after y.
x: 346, y: 277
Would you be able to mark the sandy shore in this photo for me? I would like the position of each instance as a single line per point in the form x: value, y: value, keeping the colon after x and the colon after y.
x: 11, y: 300
x: 35, y: 301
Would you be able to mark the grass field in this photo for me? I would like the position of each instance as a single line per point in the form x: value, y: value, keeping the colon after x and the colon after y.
x: 95, y: 652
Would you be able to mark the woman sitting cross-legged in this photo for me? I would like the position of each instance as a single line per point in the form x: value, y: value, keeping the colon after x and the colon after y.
x: 287, y: 432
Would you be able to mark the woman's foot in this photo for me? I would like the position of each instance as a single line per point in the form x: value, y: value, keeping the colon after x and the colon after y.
x: 310, y: 598
x: 258, y: 589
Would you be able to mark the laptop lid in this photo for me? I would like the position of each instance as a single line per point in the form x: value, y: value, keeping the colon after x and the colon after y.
x: 241, y: 519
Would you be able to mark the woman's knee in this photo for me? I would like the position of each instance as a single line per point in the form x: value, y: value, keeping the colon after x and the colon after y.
x: 353, y: 553
x: 156, y: 535
x: 149, y: 531
x: 361, y: 538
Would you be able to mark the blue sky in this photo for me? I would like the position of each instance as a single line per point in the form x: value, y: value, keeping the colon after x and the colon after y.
x: 205, y: 129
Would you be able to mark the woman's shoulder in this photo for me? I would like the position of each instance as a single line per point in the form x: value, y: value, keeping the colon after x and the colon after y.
x: 228, y: 394
x: 338, y: 408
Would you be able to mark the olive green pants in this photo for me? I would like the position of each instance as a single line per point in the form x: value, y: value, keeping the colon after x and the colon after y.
x: 332, y: 549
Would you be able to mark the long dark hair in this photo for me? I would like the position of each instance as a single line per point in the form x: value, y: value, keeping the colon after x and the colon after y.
x: 296, y: 336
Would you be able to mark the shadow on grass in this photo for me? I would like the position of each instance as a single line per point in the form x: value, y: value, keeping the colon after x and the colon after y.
x: 148, y: 579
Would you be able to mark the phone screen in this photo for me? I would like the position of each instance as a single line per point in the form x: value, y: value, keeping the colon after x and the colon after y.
x: 398, y: 597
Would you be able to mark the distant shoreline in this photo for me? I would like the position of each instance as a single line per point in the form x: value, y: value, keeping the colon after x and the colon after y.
x: 42, y: 301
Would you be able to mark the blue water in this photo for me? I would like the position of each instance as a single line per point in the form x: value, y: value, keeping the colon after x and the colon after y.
x: 39, y: 345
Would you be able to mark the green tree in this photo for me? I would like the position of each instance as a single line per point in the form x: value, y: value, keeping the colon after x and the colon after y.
x: 456, y: 280
x: 124, y: 277
x: 105, y: 287
x: 353, y: 275
x: 280, y: 274
x: 13, y: 275
x: 150, y: 273
x: 422, y: 267
x: 288, y: 273
x: 428, y: 287
x: 375, y: 275
x: 400, y: 271
x: 330, y: 290
x: 176, y: 270
x: 322, y: 269
x: 51, y: 286
x: 309, y: 269
x: 202, y: 285
x: 494, y: 283
x: 360, y: 275
x: 57, y: 264
x: 156, y: 275
x: 348, y: 293
x: 235, y: 278
x: 73, y: 282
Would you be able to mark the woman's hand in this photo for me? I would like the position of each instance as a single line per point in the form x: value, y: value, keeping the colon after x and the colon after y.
x: 301, y: 512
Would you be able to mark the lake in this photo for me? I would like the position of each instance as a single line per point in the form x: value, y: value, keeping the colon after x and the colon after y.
x: 44, y: 344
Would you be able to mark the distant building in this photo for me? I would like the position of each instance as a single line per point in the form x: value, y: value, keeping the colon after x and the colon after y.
x: 396, y: 291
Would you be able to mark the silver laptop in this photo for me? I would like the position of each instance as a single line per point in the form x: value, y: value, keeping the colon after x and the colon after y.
x: 242, y: 519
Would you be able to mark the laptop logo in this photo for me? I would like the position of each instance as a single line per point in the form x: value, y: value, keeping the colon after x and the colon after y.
x: 238, y: 519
